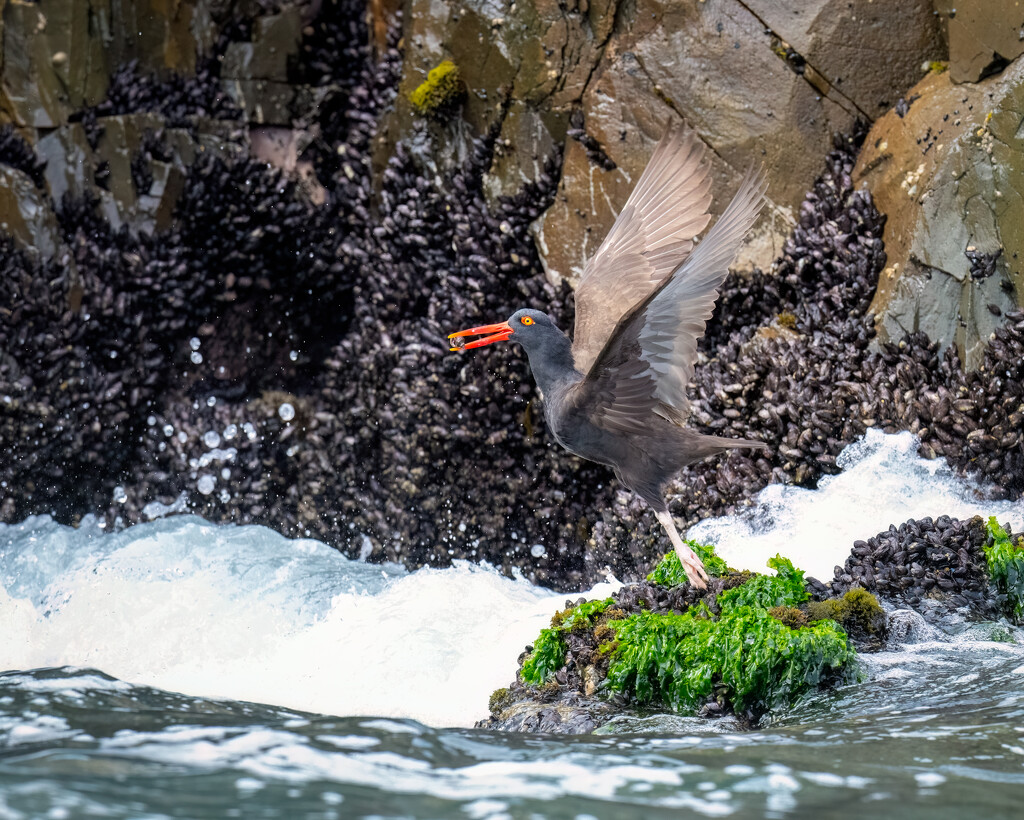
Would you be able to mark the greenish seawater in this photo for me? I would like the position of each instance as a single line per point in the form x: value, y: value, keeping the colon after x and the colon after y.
x: 937, y: 730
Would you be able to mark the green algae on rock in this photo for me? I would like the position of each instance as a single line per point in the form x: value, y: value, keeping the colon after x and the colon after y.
x: 440, y: 92
x: 746, y: 659
x: 728, y: 648
x: 785, y: 588
x: 548, y: 653
x: 1005, y: 556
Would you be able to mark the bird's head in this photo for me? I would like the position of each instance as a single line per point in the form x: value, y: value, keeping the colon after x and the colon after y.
x: 528, y: 327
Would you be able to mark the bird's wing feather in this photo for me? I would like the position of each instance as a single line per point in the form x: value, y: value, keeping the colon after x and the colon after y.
x: 651, y: 236
x: 649, y: 359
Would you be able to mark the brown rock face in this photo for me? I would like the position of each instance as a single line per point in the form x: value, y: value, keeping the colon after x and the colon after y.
x: 759, y: 81
x: 739, y: 74
x: 861, y: 53
x: 949, y: 174
x: 58, y: 54
x: 983, y: 37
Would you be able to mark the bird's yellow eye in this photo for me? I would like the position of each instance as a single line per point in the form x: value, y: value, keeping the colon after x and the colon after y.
x: 526, y: 320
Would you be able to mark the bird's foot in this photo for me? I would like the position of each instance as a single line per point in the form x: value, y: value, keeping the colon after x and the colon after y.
x: 691, y: 562
x: 694, y: 567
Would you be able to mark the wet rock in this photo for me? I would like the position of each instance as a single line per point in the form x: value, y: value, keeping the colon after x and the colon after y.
x: 58, y: 55
x: 25, y: 212
x: 628, y: 69
x: 146, y: 163
x: 552, y: 712
x: 275, y: 41
x: 947, y: 175
x: 17, y: 153
x: 256, y: 74
x: 53, y: 61
x: 183, y: 100
x: 760, y: 104
x: 234, y: 284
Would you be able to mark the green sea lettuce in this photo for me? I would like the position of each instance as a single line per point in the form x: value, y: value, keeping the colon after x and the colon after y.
x: 742, y: 656
x: 1005, y: 558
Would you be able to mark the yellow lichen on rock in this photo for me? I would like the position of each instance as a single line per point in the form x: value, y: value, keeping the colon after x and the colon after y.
x: 442, y: 89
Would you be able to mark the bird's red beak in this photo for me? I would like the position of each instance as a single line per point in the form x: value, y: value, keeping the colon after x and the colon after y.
x: 499, y: 333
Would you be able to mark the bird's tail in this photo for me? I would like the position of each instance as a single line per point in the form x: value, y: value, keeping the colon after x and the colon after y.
x: 717, y: 443
x: 694, y: 567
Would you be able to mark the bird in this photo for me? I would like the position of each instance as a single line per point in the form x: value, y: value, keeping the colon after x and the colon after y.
x: 616, y: 393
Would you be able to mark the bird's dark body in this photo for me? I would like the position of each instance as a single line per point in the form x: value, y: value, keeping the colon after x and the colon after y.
x: 644, y: 461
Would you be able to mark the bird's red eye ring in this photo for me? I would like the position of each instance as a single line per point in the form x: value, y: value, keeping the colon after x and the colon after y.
x: 526, y: 320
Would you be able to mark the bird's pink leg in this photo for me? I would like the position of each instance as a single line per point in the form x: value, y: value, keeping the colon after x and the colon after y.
x: 691, y: 563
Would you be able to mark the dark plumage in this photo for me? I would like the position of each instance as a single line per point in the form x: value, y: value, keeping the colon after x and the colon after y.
x: 617, y: 393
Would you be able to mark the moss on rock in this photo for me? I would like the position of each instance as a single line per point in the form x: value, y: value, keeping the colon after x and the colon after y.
x: 440, y: 92
x: 789, y: 615
x: 859, y: 613
x: 500, y: 699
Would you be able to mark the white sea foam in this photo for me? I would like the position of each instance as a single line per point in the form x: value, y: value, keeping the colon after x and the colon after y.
x: 883, y: 481
x: 244, y: 613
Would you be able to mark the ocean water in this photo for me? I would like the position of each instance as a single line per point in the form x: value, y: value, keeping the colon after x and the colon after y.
x: 184, y: 669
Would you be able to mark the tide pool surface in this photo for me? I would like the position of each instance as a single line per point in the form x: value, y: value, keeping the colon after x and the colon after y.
x: 184, y: 669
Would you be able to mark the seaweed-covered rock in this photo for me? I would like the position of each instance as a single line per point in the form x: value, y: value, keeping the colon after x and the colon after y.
x: 726, y: 651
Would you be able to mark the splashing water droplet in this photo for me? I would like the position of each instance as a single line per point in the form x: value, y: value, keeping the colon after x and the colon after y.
x: 210, y: 402
x: 194, y: 343
x: 211, y: 438
x: 168, y: 430
x: 206, y: 484
x: 286, y: 411
x: 230, y: 432
x: 120, y: 496
x: 196, y: 357
x: 538, y: 551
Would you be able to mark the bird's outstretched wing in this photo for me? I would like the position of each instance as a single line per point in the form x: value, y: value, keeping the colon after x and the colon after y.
x: 651, y: 236
x: 649, y: 358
